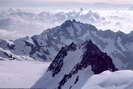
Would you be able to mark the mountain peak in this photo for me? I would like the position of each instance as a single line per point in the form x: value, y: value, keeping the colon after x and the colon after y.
x: 98, y: 60
x: 69, y: 22
x: 73, y: 65
x: 89, y: 45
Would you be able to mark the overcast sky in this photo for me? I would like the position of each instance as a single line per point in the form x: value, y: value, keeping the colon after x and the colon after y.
x: 8, y: 3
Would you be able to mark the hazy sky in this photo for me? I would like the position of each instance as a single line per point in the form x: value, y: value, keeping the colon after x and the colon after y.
x: 9, y: 3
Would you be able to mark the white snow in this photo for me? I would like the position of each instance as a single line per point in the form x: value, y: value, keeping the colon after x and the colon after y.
x: 68, y: 65
x: 53, y: 82
x: 71, y: 31
x: 4, y: 53
x: 129, y: 46
x: 77, y: 26
x: 120, y: 44
x: 111, y: 80
x: 110, y: 43
x: 21, y: 48
x: 20, y: 74
x: 24, y: 74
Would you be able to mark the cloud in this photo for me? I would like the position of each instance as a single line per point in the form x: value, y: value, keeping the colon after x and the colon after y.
x: 8, y: 3
x: 10, y: 35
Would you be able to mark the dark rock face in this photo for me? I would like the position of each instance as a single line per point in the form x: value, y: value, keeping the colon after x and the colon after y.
x: 57, y: 63
x: 98, y: 60
x: 92, y: 56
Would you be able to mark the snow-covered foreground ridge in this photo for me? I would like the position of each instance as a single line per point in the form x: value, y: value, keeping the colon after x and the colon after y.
x: 18, y: 74
x: 111, y: 80
x: 84, y: 66
x: 73, y: 65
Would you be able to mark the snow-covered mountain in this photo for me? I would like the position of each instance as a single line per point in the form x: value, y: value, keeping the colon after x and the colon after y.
x: 45, y: 46
x: 73, y: 65
x: 6, y: 54
x: 26, y: 23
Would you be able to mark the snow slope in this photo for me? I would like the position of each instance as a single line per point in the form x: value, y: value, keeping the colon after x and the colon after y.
x: 24, y: 74
x: 20, y: 74
x: 71, y: 69
x: 111, y: 80
x: 73, y: 65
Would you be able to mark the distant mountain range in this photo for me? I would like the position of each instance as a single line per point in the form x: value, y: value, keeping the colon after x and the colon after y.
x: 19, y: 23
x: 44, y: 47
x: 23, y: 23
